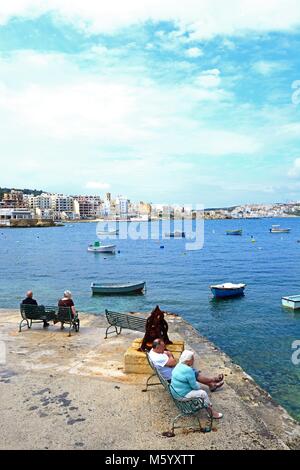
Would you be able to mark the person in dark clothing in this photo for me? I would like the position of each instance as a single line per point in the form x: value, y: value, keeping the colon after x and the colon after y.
x: 29, y: 300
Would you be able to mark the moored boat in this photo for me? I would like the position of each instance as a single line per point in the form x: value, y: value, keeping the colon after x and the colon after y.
x: 234, y: 232
x: 278, y: 229
x: 292, y: 302
x: 227, y: 290
x: 176, y: 234
x: 97, y: 247
x: 118, y: 289
x: 108, y: 232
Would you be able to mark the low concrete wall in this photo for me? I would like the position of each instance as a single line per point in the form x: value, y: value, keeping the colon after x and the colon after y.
x: 32, y: 223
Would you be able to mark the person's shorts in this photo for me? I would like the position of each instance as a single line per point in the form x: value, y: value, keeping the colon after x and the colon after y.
x: 196, y: 372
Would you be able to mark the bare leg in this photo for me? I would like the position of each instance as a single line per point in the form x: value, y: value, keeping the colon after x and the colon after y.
x: 212, y: 383
x: 209, y: 381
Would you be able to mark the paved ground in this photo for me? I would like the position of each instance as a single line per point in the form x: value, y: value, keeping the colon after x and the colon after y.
x: 71, y: 393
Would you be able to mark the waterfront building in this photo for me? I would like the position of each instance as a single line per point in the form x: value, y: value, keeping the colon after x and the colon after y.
x: 7, y: 214
x: 89, y: 207
x: 122, y: 204
x: 13, y: 199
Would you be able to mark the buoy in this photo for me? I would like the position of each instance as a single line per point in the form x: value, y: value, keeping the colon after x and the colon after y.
x: 119, y: 251
x: 162, y: 247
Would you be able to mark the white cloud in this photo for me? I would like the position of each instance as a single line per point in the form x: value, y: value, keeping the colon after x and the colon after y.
x: 202, y: 18
x: 209, y: 78
x: 294, y: 171
x: 265, y: 68
x: 97, y: 185
x: 194, y: 52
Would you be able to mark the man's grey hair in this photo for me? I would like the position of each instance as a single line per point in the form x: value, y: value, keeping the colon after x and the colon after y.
x: 156, y: 343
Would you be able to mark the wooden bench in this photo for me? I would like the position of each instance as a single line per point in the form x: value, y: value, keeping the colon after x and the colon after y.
x: 187, y: 407
x: 118, y: 321
x: 40, y: 313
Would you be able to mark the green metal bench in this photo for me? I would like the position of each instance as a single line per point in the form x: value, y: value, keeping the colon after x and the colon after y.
x: 39, y: 313
x: 65, y: 315
x: 36, y: 314
x: 187, y: 407
x: 118, y: 321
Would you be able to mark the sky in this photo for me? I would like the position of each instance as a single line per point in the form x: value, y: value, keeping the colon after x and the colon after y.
x: 194, y: 102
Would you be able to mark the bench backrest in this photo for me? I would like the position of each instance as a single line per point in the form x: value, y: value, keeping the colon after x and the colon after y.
x: 38, y: 312
x: 64, y: 314
x: 32, y: 312
x: 125, y: 320
x: 187, y: 407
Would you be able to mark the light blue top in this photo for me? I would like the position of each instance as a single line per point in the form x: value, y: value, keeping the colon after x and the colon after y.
x: 183, y: 380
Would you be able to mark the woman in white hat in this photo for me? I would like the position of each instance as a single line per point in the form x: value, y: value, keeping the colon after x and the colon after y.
x: 184, y: 384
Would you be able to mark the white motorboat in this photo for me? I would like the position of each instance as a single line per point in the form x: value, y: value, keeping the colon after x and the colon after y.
x: 97, y: 247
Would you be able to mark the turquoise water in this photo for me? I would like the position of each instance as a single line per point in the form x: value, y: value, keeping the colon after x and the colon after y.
x: 254, y: 330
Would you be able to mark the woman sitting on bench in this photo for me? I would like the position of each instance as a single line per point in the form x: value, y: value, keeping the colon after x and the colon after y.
x: 67, y: 301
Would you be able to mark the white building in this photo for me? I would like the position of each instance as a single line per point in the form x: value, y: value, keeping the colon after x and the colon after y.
x: 52, y: 205
x: 122, y: 203
x: 6, y: 215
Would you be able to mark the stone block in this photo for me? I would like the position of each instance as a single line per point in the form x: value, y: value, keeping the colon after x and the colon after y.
x: 135, y: 362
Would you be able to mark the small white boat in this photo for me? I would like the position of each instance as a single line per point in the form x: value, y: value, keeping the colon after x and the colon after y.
x: 97, y: 247
x: 278, y: 229
x: 221, y: 291
x: 108, y: 232
x: 292, y: 302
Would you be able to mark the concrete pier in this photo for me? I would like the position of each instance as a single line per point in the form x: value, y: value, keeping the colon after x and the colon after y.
x: 60, y: 392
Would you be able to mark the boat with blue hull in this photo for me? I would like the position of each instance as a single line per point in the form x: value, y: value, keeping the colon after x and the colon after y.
x: 227, y: 290
x: 118, y: 289
x: 278, y: 229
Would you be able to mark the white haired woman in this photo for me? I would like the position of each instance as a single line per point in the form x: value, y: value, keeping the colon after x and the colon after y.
x: 67, y: 301
x: 184, y: 384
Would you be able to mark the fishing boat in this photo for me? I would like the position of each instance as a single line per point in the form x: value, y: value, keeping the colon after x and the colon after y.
x: 228, y: 289
x: 278, y: 229
x: 176, y: 234
x: 292, y: 302
x: 234, y: 232
x: 97, y: 247
x: 118, y: 289
x: 108, y: 232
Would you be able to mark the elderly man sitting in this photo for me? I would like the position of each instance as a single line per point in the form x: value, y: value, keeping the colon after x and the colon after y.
x: 29, y: 300
x: 165, y: 362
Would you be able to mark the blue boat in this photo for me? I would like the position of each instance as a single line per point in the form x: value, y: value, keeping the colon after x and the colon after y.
x: 234, y: 232
x: 227, y: 290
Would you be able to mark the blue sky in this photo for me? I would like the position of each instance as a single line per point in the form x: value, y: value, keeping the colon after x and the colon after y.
x: 194, y: 103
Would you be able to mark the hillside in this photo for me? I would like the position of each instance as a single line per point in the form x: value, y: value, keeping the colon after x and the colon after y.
x: 36, y: 192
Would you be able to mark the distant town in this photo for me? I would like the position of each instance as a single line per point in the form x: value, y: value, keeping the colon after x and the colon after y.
x: 37, y: 208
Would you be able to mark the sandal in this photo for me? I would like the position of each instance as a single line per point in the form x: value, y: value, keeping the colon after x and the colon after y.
x: 218, y: 416
x: 217, y: 386
x: 219, y: 378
